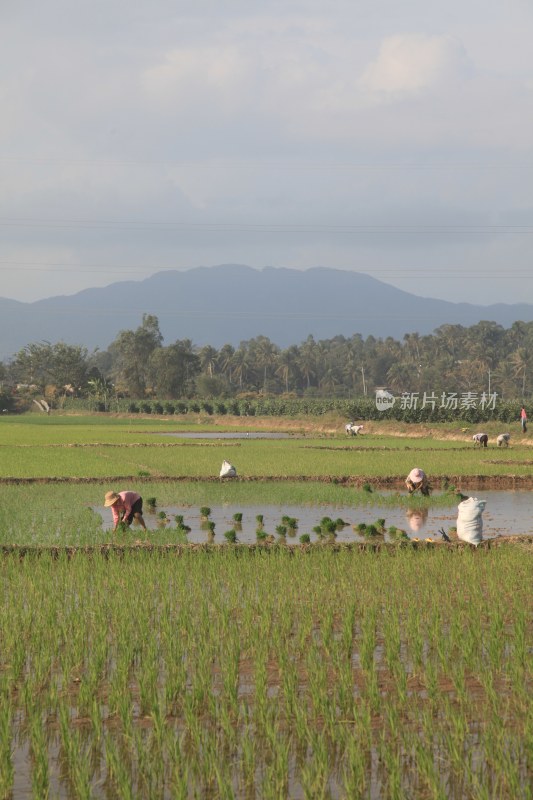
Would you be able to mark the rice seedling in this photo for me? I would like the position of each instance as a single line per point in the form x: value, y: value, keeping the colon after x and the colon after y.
x: 205, y: 512
x: 216, y: 672
x: 304, y: 538
x: 231, y: 536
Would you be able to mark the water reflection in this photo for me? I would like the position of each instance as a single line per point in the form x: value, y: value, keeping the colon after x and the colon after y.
x: 417, y: 518
x: 507, y: 512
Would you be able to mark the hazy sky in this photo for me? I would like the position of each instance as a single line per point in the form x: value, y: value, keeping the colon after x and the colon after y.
x: 389, y: 138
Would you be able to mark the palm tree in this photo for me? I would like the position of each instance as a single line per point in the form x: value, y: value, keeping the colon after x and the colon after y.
x: 266, y: 355
x: 224, y: 360
x: 307, y: 360
x: 401, y: 377
x: 522, y: 361
x: 208, y: 359
x: 240, y: 364
x: 503, y: 379
x: 286, y: 364
x: 329, y: 381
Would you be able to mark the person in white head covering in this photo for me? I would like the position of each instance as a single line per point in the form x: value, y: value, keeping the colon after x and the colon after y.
x: 417, y: 480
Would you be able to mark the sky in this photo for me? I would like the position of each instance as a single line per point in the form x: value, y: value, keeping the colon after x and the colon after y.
x: 393, y: 139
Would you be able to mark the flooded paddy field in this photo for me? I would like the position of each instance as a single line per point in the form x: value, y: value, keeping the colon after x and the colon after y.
x: 245, y: 674
x: 230, y: 435
x: 506, y: 513
x: 336, y: 672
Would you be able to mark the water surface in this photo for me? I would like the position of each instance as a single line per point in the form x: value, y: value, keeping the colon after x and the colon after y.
x: 506, y: 512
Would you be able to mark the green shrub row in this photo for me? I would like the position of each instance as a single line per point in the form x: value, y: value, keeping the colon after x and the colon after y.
x: 359, y: 409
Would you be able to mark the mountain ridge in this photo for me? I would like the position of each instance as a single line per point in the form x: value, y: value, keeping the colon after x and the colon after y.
x: 230, y: 303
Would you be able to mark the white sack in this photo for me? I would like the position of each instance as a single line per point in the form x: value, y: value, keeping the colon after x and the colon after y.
x: 470, y: 520
x: 227, y: 470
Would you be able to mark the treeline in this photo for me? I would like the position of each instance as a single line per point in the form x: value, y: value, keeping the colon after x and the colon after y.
x: 483, y: 358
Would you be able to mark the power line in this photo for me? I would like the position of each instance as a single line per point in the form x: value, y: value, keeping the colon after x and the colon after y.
x: 390, y: 272
x: 266, y: 164
x: 262, y: 227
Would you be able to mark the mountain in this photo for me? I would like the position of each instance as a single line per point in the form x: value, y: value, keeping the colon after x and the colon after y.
x: 231, y: 303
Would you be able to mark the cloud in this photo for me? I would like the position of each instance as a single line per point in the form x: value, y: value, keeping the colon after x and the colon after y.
x: 412, y: 63
x: 295, y: 115
x: 199, y: 76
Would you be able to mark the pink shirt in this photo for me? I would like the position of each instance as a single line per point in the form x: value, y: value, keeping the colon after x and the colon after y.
x: 127, y: 499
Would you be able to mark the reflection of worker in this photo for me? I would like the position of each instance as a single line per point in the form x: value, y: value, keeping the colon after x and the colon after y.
x: 417, y: 479
x: 416, y: 517
x: 125, y: 507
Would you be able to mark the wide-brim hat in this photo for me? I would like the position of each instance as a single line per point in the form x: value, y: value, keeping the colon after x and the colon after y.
x: 416, y: 474
x: 111, y: 498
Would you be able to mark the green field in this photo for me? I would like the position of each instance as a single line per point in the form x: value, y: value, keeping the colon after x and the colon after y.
x: 268, y: 672
x: 85, y: 447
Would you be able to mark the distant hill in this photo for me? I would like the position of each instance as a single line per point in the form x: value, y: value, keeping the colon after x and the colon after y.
x: 231, y: 303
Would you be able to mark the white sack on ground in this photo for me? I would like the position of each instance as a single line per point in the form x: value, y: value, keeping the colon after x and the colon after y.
x: 227, y: 470
x: 470, y: 520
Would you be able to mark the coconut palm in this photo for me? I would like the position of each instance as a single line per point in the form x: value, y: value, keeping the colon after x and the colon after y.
x: 329, y: 381
x: 224, y: 360
x: 266, y: 355
x: 522, y: 362
x: 287, y: 365
x: 241, y: 363
x: 208, y: 359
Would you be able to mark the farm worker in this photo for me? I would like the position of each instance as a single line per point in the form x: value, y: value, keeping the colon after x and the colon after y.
x: 481, y: 439
x: 503, y: 440
x: 352, y: 429
x: 125, y: 506
x: 417, y: 479
x: 523, y: 419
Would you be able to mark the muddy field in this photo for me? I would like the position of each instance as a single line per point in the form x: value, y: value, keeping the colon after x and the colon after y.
x: 466, y: 482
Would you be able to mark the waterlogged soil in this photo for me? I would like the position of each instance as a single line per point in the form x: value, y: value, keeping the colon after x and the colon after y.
x: 466, y: 482
x: 232, y: 435
x: 506, y: 514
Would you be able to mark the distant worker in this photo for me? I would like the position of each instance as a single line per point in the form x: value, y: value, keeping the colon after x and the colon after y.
x: 523, y: 419
x: 503, y: 440
x: 125, y: 507
x: 352, y: 429
x: 481, y: 439
x: 417, y: 479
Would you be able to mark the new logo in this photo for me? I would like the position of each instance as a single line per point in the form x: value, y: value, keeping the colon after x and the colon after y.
x: 384, y: 399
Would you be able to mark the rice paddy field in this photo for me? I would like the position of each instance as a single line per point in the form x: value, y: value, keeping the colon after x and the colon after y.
x: 138, y: 666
